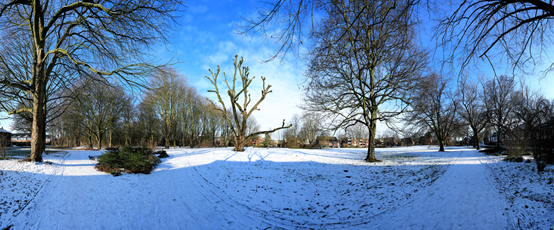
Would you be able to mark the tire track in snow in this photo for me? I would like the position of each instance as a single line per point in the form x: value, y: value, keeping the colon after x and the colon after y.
x: 463, y: 198
x: 281, y: 220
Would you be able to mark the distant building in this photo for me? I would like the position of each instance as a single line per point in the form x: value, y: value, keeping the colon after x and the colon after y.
x: 25, y: 139
x: 5, y: 137
x: 256, y: 141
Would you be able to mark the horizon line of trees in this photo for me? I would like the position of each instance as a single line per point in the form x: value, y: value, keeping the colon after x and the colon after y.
x: 169, y: 113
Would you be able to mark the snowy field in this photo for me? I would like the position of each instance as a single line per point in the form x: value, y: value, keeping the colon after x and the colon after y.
x: 216, y: 188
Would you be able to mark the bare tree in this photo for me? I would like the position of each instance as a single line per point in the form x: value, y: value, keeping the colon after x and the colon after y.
x: 357, y: 131
x: 311, y: 126
x: 435, y: 108
x: 519, y: 28
x: 148, y: 124
x: 108, y: 38
x: 167, y: 89
x: 292, y: 134
x: 240, y: 110
x: 473, y: 109
x: 99, y: 106
x: 190, y: 106
x: 364, y: 62
x: 499, y: 95
x: 536, y: 115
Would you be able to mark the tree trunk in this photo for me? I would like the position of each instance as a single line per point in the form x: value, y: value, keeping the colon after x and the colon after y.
x: 110, y: 143
x: 99, y: 141
x: 38, y: 137
x: 38, y: 128
x: 498, y: 139
x: 371, y: 145
x: 213, y: 138
x: 477, y: 143
x: 239, y: 145
x: 441, y: 143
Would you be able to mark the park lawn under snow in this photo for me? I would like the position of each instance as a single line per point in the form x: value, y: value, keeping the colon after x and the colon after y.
x: 216, y: 188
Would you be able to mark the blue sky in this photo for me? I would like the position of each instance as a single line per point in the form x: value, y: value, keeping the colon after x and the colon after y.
x: 206, y: 38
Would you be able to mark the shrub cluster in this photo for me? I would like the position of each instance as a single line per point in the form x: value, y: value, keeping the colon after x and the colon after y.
x: 514, y: 159
x: 127, y: 159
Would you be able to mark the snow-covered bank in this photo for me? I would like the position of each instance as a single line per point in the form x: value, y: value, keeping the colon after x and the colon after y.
x: 529, y: 194
x: 216, y: 188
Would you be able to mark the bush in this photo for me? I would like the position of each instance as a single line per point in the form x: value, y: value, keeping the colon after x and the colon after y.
x: 161, y: 154
x: 128, y: 159
x: 514, y: 159
x: 492, y: 151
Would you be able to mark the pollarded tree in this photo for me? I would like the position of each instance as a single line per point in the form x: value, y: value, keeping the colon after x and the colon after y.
x: 108, y: 38
x: 435, y: 108
x: 240, y: 111
x: 364, y: 63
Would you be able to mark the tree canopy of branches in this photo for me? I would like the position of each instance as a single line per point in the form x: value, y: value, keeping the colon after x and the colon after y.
x: 240, y: 111
x: 435, y: 108
x: 107, y: 38
x: 364, y: 62
x: 521, y: 29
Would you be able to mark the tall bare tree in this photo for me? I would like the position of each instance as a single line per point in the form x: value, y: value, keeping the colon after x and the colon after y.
x: 364, y: 62
x: 108, y: 38
x: 435, y: 108
x: 536, y: 115
x: 358, y: 131
x: 99, y: 106
x: 473, y: 109
x: 499, y: 97
x: 240, y: 111
x: 167, y: 89
x: 149, y: 124
x: 311, y: 126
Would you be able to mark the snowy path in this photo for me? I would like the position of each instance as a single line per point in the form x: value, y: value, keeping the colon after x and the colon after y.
x: 463, y: 198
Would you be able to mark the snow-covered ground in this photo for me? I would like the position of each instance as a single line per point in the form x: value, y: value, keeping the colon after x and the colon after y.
x: 216, y: 188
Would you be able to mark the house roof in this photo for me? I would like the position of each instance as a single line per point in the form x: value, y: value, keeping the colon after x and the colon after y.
x: 2, y: 130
